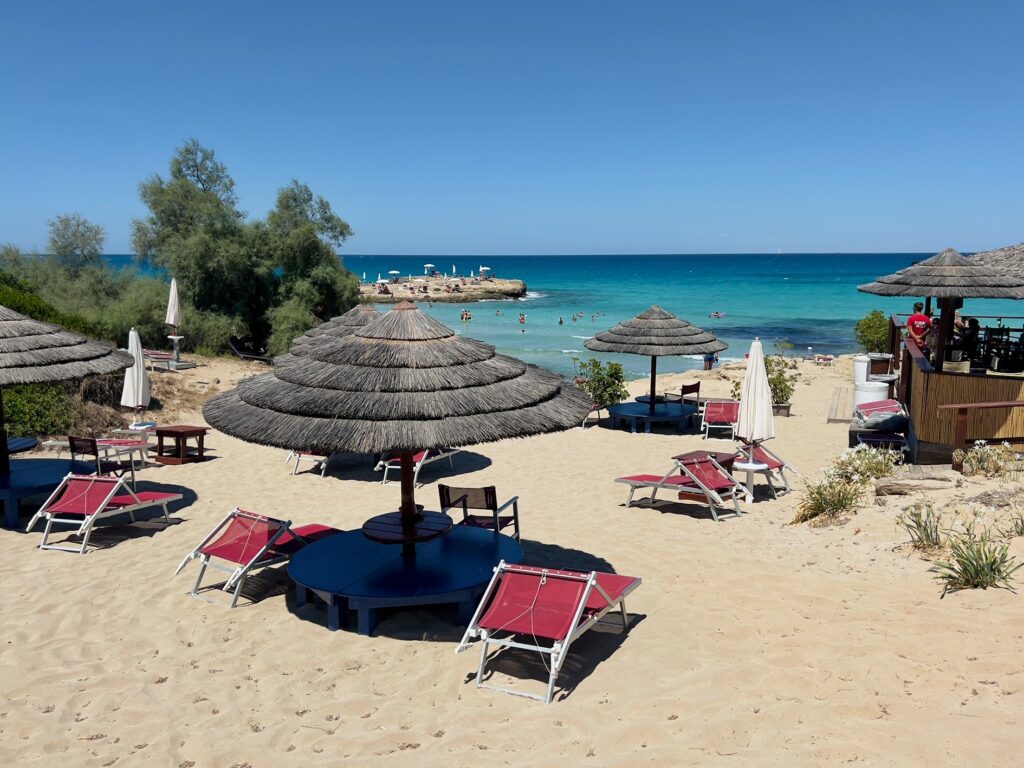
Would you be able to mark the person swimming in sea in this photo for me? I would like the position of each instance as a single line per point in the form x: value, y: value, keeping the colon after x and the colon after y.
x: 717, y: 314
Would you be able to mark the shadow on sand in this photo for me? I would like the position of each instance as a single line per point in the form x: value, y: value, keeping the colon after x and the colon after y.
x: 360, y: 466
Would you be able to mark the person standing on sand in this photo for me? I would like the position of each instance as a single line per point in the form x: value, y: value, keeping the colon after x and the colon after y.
x: 709, y: 360
x: 918, y: 325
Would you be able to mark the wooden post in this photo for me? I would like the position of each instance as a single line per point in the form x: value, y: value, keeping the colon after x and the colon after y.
x: 927, y: 304
x: 960, y: 437
x: 5, y: 457
x: 654, y: 375
x: 945, y: 332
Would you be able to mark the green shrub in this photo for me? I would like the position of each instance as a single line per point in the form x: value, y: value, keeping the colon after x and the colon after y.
x: 605, y: 383
x: 34, y: 410
x: 781, y: 383
x: 922, y: 525
x: 976, y: 562
x: 289, y: 321
x: 208, y: 332
x: 863, y: 464
x: 1014, y: 526
x: 872, y: 331
x: 827, y: 499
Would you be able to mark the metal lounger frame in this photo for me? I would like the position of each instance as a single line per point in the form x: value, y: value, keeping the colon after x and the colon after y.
x: 389, y: 463
x: 769, y: 474
x: 240, y: 573
x: 559, y: 650
x: 85, y: 524
x: 713, y: 499
x: 319, y: 460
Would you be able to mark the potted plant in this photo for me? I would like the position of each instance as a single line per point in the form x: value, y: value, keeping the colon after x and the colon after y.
x: 781, y: 382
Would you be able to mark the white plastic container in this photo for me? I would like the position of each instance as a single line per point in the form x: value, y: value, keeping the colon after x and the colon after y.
x: 861, y: 366
x: 869, y: 392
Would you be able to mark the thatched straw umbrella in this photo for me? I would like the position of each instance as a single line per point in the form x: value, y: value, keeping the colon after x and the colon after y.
x: 655, y: 333
x: 1010, y: 259
x: 33, y: 352
x: 949, y: 277
x: 342, y: 325
x: 401, y: 384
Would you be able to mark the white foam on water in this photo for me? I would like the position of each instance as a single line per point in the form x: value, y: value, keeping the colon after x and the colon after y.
x: 530, y: 295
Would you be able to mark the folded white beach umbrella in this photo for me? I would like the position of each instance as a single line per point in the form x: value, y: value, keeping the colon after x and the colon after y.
x: 756, y: 422
x: 135, y: 392
x: 173, y: 317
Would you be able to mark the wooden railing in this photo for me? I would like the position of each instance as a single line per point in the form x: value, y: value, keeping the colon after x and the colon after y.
x: 963, y: 412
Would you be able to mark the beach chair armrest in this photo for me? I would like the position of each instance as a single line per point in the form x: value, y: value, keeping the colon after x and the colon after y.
x: 513, y: 502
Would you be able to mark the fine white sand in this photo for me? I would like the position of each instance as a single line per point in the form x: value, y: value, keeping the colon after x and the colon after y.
x: 753, y: 642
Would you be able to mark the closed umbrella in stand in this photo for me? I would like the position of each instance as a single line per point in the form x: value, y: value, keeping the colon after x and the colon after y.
x: 756, y: 423
x: 173, y: 318
x: 135, y: 392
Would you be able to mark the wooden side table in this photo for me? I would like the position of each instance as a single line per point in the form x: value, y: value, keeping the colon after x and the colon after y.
x: 180, y: 435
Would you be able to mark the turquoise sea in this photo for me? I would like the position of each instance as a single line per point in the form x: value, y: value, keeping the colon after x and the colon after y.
x: 809, y: 299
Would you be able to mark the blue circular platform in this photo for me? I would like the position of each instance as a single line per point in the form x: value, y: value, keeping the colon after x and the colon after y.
x: 30, y: 477
x: 348, y: 570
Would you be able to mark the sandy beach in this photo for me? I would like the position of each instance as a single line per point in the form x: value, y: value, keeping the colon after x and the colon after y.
x: 440, y: 289
x: 752, y: 641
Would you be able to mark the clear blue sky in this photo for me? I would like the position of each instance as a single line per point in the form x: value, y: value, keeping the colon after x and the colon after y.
x: 534, y: 127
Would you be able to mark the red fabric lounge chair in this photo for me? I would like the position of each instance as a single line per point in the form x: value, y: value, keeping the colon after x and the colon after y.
x: 482, y: 499
x: 702, y: 480
x: 523, y: 606
x: 247, y: 542
x: 880, y: 408
x: 758, y: 454
x: 81, y: 500
x: 420, y: 460
x: 722, y: 415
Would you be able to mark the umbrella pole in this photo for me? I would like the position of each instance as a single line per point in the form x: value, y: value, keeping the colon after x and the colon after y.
x: 5, y: 457
x: 945, y: 332
x: 654, y: 380
x: 408, y: 502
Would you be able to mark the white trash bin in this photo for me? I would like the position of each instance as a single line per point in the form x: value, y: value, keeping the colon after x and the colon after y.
x: 861, y: 366
x: 869, y: 392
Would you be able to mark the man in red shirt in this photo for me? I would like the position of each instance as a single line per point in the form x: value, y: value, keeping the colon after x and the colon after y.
x: 918, y: 325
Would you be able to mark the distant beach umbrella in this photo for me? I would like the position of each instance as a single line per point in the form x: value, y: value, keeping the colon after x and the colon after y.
x: 453, y: 270
x: 135, y: 390
x: 948, y: 276
x: 403, y: 383
x: 173, y: 316
x: 655, y: 333
x: 379, y: 278
x: 33, y: 352
x: 342, y: 325
x: 485, y: 269
x: 471, y: 273
x: 427, y: 268
x: 364, y: 277
x: 756, y: 423
x: 394, y: 272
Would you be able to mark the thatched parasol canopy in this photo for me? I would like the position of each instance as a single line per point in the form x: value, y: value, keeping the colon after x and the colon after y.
x: 33, y: 352
x: 655, y: 333
x: 401, y: 384
x: 404, y: 382
x: 1010, y: 259
x: 948, y: 275
x: 342, y: 325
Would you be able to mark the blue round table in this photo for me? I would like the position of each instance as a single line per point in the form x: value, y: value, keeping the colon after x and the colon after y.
x: 35, y: 476
x: 676, y: 413
x: 348, y: 570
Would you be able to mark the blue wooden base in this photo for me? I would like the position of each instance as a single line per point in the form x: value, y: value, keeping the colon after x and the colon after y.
x: 30, y: 477
x: 673, y: 413
x: 350, y: 572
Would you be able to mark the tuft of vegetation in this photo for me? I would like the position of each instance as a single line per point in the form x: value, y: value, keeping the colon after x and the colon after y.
x: 605, y: 383
x: 864, y: 464
x: 39, y: 409
x: 989, y: 460
x: 826, y: 500
x: 921, y: 523
x: 1014, y: 526
x: 976, y: 562
x: 872, y: 331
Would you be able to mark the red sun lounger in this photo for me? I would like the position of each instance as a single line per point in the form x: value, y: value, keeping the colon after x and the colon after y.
x: 81, y: 500
x: 420, y: 460
x: 722, y: 415
x: 880, y: 407
x: 703, y: 480
x: 774, y: 466
x: 247, y: 542
x: 543, y: 610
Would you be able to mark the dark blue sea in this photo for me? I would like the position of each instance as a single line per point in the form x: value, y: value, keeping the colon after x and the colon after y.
x: 811, y: 300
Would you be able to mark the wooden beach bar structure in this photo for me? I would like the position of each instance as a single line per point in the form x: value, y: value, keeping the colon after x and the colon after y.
x: 963, y: 392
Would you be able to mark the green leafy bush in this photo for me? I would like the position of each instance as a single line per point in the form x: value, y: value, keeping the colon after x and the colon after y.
x: 781, y: 382
x: 827, y: 499
x: 872, y: 331
x: 39, y: 409
x: 921, y: 523
x: 605, y: 383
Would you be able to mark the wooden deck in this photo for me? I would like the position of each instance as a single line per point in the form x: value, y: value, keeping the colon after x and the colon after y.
x: 840, y: 409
